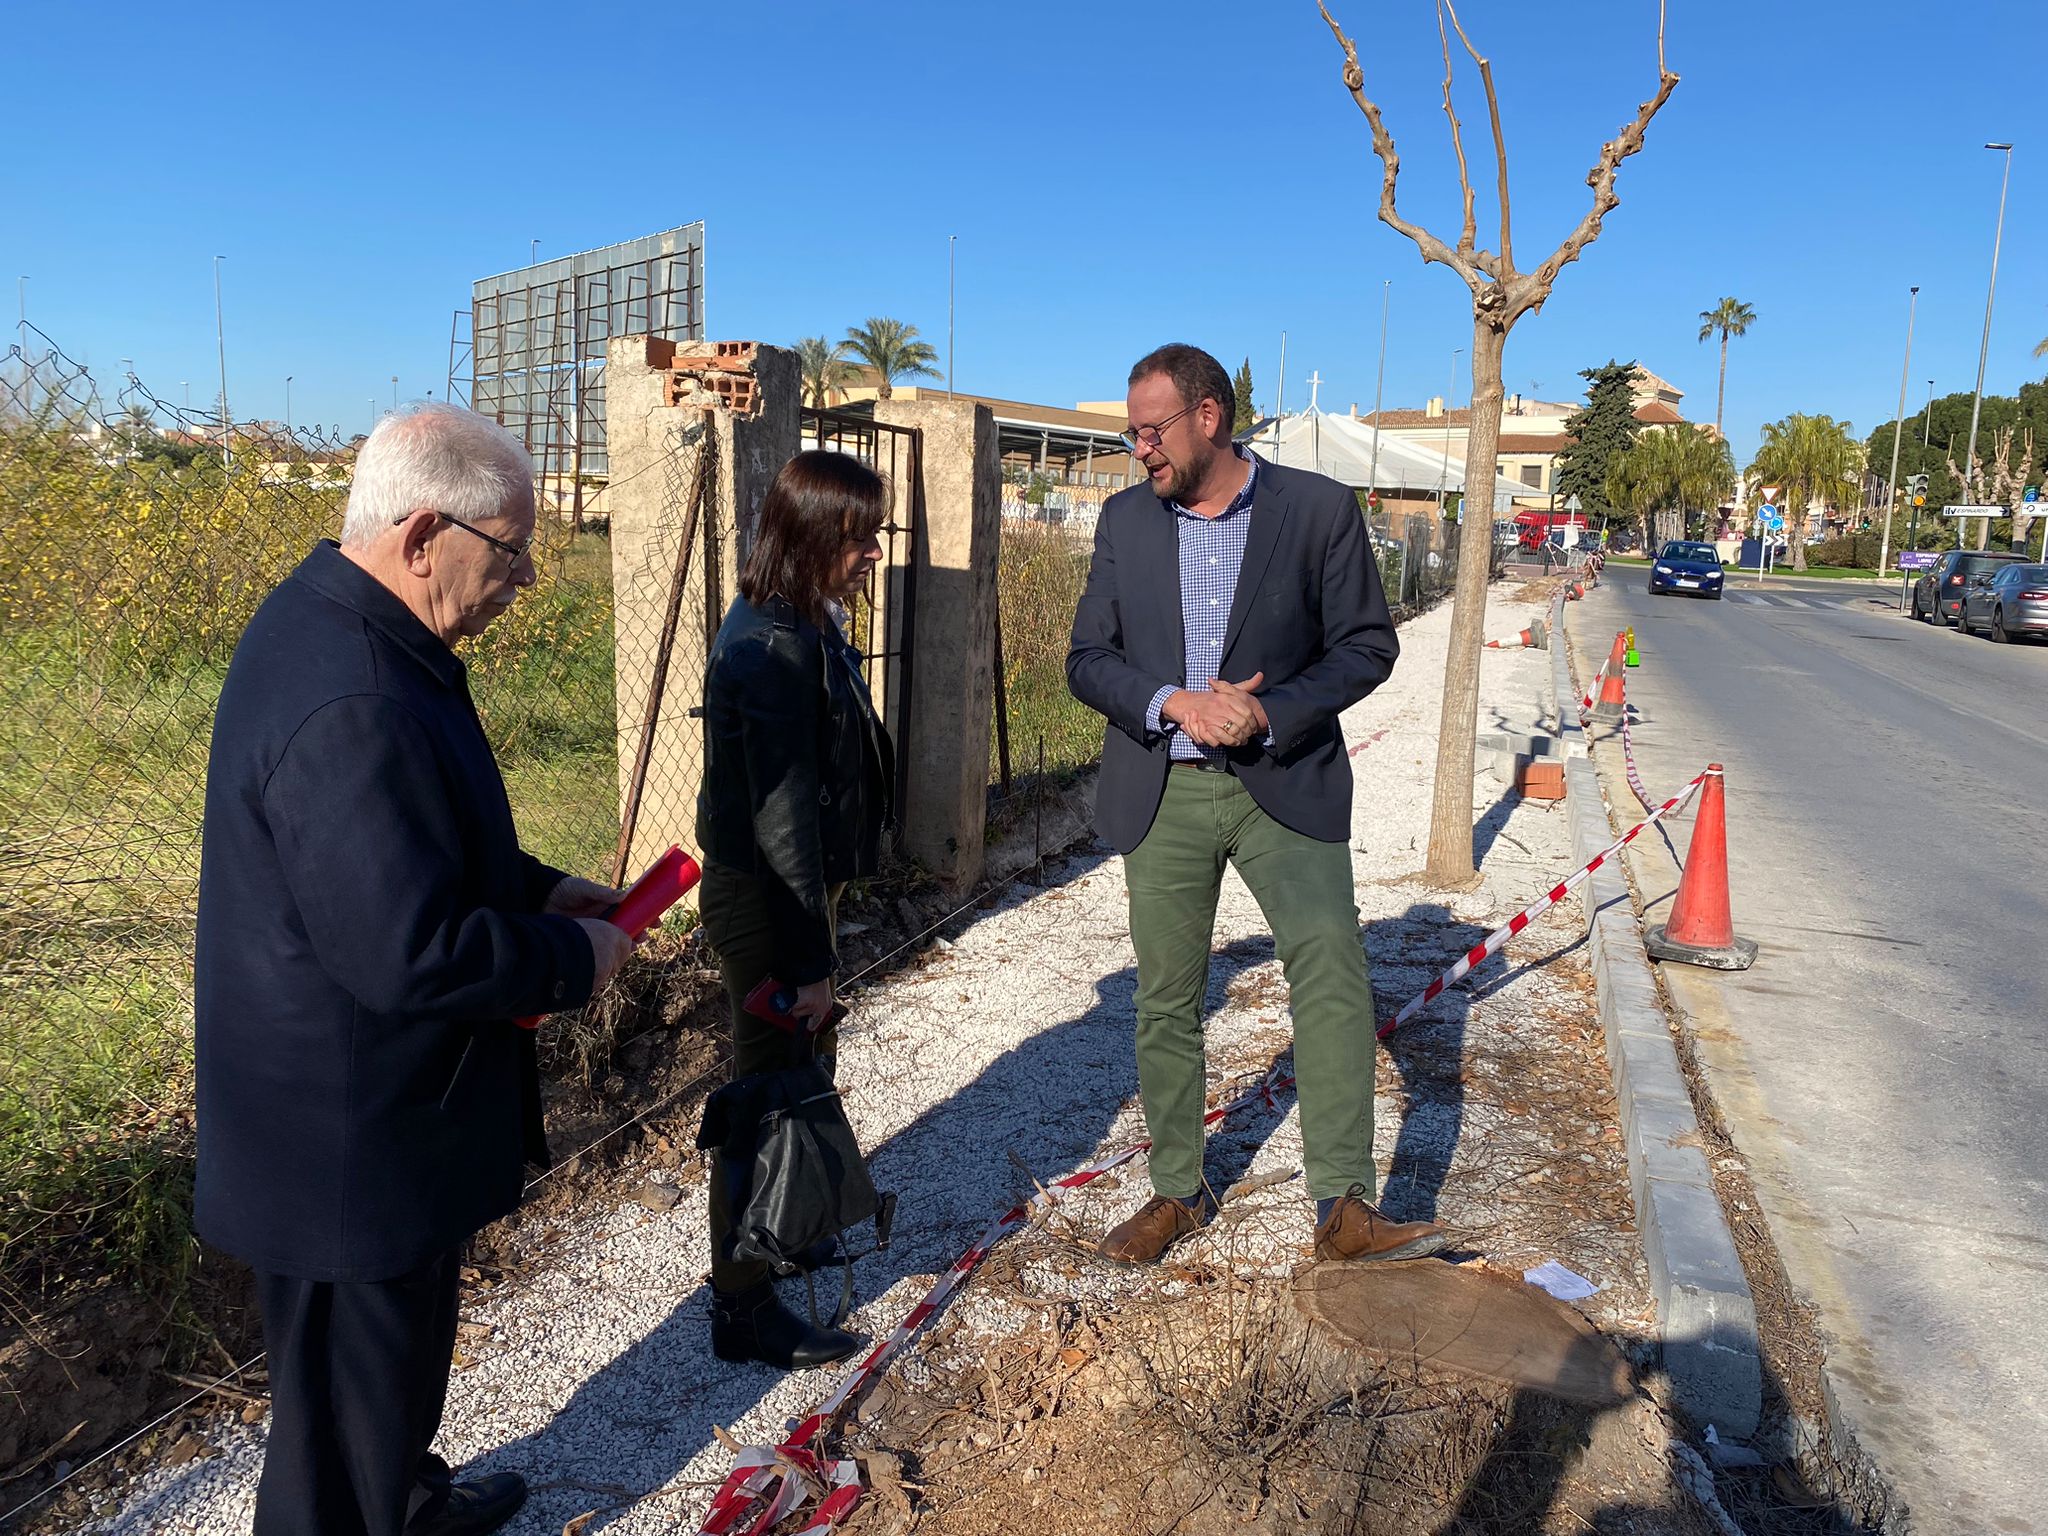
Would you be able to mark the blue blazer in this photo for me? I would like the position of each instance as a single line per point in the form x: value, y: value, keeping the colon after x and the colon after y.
x: 368, y: 931
x: 1309, y: 613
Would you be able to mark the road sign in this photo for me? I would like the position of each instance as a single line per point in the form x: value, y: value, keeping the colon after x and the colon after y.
x: 2032, y: 493
x: 1572, y: 503
x: 1958, y: 511
x: 1918, y: 559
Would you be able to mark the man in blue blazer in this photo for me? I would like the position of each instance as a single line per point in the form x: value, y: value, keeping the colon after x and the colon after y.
x: 369, y: 929
x: 1233, y: 610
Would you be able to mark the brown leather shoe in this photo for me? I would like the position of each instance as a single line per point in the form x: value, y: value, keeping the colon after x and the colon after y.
x: 1160, y: 1223
x: 1359, y: 1231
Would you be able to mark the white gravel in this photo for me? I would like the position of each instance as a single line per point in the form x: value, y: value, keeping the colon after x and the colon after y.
x: 1007, y: 1054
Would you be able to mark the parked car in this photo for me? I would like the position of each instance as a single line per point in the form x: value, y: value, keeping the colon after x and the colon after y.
x: 2008, y: 601
x: 1938, y: 595
x: 1686, y: 567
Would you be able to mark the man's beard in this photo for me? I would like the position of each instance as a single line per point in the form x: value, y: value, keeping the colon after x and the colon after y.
x: 1181, y: 482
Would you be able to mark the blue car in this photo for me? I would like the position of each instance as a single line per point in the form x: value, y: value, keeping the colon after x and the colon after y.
x: 1682, y: 567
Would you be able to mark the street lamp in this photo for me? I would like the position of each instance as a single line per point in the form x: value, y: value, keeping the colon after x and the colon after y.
x: 220, y: 342
x: 394, y: 394
x: 1984, y: 350
x: 1891, y: 484
x: 951, y: 240
x: 1444, y: 485
x: 1379, y: 387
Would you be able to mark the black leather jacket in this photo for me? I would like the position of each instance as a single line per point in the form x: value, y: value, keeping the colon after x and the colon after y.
x: 798, y: 772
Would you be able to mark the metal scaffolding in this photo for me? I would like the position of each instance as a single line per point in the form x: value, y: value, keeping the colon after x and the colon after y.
x: 536, y: 342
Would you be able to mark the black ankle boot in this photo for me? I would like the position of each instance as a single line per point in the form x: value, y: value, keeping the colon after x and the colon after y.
x: 754, y: 1325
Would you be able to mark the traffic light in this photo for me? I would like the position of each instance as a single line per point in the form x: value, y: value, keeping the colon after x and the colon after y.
x: 1916, y: 488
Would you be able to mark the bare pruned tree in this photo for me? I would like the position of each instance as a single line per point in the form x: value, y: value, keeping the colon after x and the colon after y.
x: 1501, y: 294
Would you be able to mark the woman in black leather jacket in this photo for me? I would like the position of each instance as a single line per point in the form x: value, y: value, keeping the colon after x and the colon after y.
x: 798, y: 773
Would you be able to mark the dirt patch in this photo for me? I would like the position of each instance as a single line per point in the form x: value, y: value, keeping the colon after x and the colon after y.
x: 1223, y: 1409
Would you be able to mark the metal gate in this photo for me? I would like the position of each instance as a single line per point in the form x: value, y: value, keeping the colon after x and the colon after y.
x: 885, y: 616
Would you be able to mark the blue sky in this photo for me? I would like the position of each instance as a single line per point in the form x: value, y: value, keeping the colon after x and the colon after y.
x: 1118, y: 175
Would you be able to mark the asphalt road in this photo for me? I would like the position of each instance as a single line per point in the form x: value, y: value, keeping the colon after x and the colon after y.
x: 1885, y: 1064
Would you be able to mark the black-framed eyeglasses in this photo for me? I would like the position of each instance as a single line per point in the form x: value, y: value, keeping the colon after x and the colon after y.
x: 1145, y: 439
x: 512, y: 552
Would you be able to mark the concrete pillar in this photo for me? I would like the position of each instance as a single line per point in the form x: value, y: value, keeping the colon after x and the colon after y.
x: 654, y: 446
x: 952, y: 676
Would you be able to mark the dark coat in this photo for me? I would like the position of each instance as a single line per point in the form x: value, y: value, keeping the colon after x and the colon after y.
x: 798, y: 773
x: 1309, y: 613
x: 368, y: 931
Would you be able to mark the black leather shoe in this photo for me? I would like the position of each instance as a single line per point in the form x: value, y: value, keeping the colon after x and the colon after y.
x: 755, y: 1325
x: 474, y: 1508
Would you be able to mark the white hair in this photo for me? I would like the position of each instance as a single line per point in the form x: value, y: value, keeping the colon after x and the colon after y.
x: 430, y: 454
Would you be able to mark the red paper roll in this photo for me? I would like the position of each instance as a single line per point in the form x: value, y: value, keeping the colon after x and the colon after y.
x: 673, y: 876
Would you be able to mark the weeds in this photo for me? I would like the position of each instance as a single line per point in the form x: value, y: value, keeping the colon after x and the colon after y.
x: 124, y: 585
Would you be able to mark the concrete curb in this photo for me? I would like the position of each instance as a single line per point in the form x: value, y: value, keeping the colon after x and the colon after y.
x: 1705, y: 1312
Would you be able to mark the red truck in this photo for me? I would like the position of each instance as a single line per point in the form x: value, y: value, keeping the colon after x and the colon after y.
x: 1532, y: 528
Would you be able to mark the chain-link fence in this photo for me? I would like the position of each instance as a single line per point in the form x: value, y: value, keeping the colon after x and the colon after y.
x: 1418, y: 555
x: 136, y: 539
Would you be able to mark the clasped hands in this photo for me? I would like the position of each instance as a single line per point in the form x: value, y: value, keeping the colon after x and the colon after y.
x: 1227, y: 715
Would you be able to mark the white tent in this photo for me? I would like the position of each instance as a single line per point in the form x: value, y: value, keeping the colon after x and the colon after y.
x: 1342, y: 448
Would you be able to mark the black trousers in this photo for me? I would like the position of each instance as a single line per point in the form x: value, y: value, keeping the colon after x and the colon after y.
x: 738, y: 921
x: 358, y: 1373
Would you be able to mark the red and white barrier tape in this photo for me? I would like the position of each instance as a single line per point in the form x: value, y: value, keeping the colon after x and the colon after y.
x: 767, y: 1483
x: 1375, y: 736
x: 1628, y: 757
x: 1497, y: 939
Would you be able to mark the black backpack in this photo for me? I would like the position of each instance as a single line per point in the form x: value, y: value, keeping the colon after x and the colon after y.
x: 796, y: 1178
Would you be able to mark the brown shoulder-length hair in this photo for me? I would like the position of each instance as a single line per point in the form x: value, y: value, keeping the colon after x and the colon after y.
x: 820, y: 502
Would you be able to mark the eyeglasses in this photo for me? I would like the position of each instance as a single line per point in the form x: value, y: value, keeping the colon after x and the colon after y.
x: 512, y: 552
x: 1145, y: 439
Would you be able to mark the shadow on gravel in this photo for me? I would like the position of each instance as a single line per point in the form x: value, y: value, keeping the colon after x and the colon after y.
x: 1429, y: 1051
x: 1038, y: 1110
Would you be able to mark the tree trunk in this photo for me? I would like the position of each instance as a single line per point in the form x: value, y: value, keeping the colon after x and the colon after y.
x: 1721, y: 394
x: 887, y: 390
x: 1450, y: 816
x: 1799, y: 538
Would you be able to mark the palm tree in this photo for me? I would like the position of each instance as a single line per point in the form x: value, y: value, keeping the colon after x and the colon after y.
x: 1684, y: 467
x: 1814, y: 460
x: 892, y: 349
x: 1731, y: 317
x: 824, y: 368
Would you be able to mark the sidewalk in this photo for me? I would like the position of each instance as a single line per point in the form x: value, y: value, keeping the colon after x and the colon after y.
x: 1006, y: 1057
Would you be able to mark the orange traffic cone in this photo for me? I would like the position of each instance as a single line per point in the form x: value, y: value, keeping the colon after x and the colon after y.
x: 1573, y: 591
x: 1532, y: 638
x: 1702, y: 930
x: 1611, y: 704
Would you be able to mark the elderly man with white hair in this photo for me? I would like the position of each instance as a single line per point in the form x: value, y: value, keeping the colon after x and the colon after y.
x: 369, y: 931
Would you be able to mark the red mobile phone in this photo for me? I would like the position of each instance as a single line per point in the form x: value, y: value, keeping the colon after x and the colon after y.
x: 771, y: 1000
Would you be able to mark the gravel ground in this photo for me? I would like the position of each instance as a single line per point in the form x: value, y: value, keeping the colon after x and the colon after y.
x: 1005, y: 1055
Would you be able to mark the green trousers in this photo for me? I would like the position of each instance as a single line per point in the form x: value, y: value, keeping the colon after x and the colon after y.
x: 737, y: 922
x: 1303, y: 887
